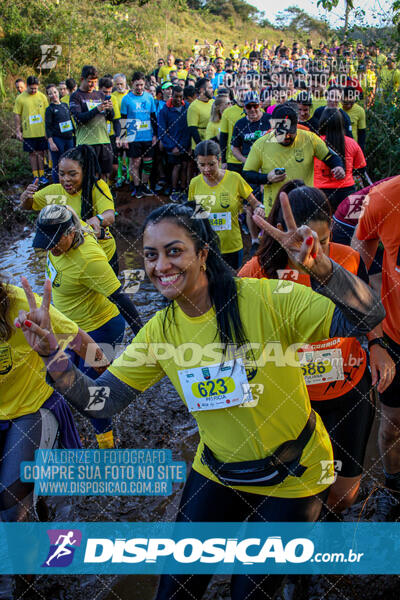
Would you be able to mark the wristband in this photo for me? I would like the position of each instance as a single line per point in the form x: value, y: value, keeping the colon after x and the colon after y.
x: 100, y: 218
x: 377, y: 341
x: 51, y: 353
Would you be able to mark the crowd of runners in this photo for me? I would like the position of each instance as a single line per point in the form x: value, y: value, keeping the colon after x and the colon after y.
x: 257, y: 146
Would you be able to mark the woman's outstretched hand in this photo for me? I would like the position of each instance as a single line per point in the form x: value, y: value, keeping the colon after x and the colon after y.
x: 301, y: 243
x: 36, y: 324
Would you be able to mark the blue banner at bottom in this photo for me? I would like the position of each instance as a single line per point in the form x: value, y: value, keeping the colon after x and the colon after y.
x: 217, y: 548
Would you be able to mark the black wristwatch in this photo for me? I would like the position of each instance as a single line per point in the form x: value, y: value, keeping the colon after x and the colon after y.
x: 379, y: 340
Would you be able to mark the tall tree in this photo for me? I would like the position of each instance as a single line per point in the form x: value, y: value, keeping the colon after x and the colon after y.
x: 349, y: 6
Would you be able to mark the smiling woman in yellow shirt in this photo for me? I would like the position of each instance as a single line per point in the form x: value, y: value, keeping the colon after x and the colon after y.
x: 228, y: 339
x: 80, y: 188
x: 85, y: 288
x: 221, y: 194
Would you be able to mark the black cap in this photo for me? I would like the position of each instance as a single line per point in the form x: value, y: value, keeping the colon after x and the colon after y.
x: 48, y: 235
x: 284, y: 119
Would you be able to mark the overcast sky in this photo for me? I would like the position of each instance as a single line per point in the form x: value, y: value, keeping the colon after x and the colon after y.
x: 371, y: 7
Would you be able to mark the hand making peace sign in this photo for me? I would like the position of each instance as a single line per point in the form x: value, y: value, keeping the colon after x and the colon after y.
x: 36, y: 324
x: 301, y: 243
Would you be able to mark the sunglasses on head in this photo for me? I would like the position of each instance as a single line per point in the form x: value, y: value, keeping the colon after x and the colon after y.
x: 252, y: 105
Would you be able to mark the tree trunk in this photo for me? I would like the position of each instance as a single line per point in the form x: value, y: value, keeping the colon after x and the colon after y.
x: 346, y: 19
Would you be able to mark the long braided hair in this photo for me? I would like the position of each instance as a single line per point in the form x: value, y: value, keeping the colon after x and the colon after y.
x: 87, y: 159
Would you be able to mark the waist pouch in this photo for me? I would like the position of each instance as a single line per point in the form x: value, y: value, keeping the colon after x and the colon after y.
x: 270, y: 470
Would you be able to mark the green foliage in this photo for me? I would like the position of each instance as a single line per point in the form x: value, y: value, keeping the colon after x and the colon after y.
x: 297, y: 21
x: 383, y: 136
x: 230, y: 8
x: 24, y: 48
x: 14, y: 165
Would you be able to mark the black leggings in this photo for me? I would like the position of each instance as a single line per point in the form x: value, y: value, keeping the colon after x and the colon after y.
x: 204, y: 500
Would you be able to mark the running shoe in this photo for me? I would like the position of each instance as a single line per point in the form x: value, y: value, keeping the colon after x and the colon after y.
x: 175, y: 197
x: 385, y: 504
x: 43, y: 180
x: 120, y: 182
x: 147, y: 191
x: 139, y: 192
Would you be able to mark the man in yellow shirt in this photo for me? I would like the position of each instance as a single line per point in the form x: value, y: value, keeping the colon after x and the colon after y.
x: 163, y: 73
x: 230, y: 116
x: 29, y: 111
x: 199, y: 111
x: 287, y: 153
x: 389, y: 76
x: 368, y: 81
x: 181, y: 73
x: 356, y: 113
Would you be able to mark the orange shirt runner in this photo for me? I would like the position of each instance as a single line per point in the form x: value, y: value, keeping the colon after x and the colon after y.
x: 381, y: 220
x: 354, y: 159
x: 340, y: 357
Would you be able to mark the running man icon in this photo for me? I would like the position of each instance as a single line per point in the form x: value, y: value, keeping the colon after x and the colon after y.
x: 62, y: 549
x: 63, y: 543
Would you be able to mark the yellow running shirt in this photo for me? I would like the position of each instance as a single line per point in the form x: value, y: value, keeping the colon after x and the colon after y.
x: 275, y: 324
x: 118, y: 96
x: 65, y: 99
x: 23, y: 387
x: 298, y: 160
x: 117, y: 115
x: 163, y: 73
x: 224, y: 202
x: 198, y: 115
x: 31, y: 108
x: 55, y: 194
x: 213, y: 130
x: 389, y: 78
x: 81, y: 281
x: 357, y: 118
x: 229, y: 118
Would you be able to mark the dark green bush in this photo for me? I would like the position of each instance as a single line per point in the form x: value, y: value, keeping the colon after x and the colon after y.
x: 383, y: 136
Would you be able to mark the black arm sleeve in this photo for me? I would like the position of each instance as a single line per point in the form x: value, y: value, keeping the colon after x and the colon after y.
x: 361, y: 138
x: 127, y: 309
x: 347, y: 124
x: 357, y: 302
x: 82, y: 116
x: 48, y: 119
x: 117, y: 127
x: 255, y: 177
x: 194, y: 134
x: 154, y: 125
x: 333, y: 160
x: 223, y: 142
x: 109, y: 114
x: 74, y: 386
